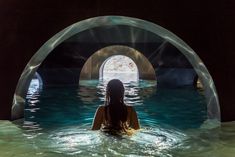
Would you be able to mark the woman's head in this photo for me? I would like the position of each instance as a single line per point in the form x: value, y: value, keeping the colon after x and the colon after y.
x: 114, y: 101
x: 115, y: 91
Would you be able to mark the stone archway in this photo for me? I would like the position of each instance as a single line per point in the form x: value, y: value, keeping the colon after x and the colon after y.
x: 91, y: 69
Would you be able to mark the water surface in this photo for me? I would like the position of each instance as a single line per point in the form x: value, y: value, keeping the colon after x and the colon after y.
x: 173, y: 123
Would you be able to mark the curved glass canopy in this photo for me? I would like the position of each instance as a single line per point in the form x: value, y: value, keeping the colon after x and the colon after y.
x: 110, y: 22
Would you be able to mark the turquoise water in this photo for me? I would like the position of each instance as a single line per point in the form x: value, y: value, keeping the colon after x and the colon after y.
x: 173, y: 124
x: 181, y: 108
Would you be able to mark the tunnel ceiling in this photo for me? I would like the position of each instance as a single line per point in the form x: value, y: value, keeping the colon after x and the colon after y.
x: 115, y: 34
x: 73, y: 52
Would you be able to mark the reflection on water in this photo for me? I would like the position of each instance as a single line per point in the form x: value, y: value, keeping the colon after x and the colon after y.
x: 80, y: 141
x: 58, y: 120
x: 133, y: 91
x: 147, y: 141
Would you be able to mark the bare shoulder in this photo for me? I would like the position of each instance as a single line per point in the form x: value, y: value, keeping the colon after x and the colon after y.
x: 100, y: 108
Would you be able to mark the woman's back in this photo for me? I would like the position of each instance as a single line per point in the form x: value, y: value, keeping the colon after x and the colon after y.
x: 115, y: 114
x: 103, y: 119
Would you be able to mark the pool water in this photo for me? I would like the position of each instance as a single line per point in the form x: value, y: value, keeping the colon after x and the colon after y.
x: 173, y: 123
x: 181, y: 108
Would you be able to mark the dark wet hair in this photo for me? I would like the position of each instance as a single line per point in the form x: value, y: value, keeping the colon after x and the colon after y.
x: 115, y: 104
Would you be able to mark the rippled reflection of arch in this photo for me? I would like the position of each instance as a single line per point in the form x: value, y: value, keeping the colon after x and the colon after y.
x: 41, y: 54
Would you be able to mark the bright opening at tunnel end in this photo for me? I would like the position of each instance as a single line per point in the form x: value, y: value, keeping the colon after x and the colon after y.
x: 119, y: 67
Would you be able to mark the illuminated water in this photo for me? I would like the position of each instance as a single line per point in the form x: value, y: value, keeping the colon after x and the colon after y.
x: 58, y: 120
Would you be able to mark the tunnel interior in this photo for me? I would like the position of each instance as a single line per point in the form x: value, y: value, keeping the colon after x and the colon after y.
x: 59, y: 61
x: 67, y: 59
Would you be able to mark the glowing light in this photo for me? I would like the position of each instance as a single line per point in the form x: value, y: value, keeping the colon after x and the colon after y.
x: 120, y: 67
x: 35, y: 84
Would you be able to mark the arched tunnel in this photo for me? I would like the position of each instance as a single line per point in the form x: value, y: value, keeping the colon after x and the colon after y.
x: 157, y: 52
x: 175, y: 59
x: 19, y: 34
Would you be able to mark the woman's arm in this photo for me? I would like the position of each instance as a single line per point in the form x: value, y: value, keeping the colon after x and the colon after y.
x: 134, y: 119
x: 98, y: 118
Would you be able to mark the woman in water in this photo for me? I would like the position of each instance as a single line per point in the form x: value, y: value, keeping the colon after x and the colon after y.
x: 115, y: 116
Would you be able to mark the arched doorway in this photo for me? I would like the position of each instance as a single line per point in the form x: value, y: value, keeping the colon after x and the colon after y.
x: 119, y: 59
x: 119, y: 67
